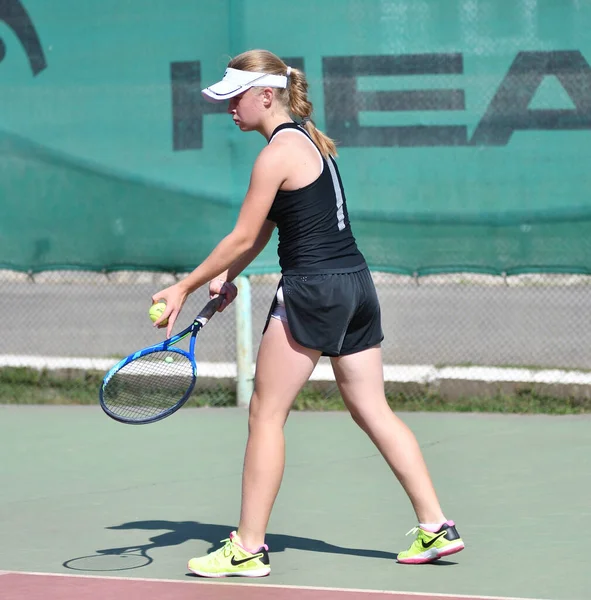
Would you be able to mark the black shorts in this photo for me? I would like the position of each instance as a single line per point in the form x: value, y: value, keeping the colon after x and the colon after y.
x: 336, y: 313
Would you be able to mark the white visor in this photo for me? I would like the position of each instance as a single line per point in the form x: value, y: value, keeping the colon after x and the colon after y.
x: 236, y: 82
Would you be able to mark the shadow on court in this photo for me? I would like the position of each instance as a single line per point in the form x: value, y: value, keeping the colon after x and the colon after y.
x: 179, y: 532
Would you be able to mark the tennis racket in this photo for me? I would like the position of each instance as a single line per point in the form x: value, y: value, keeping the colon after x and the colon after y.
x: 155, y: 382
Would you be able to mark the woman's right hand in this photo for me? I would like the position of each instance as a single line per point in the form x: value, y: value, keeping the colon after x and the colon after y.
x: 226, y: 289
x: 174, y: 297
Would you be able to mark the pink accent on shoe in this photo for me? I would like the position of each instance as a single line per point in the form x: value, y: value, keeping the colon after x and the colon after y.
x: 417, y: 561
x: 452, y: 550
x: 210, y: 575
x: 233, y: 537
x: 431, y: 527
x: 435, y: 527
x: 424, y: 560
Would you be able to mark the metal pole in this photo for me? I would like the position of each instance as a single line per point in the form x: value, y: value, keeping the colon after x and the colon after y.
x: 245, y: 377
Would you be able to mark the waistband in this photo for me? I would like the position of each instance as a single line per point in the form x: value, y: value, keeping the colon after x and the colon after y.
x: 323, y: 270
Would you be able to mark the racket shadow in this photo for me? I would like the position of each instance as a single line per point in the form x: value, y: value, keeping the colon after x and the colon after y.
x: 111, y: 559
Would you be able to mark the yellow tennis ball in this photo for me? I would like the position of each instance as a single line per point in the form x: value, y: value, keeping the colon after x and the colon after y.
x: 156, y: 311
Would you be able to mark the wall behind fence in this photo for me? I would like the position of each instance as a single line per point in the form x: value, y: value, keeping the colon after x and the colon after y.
x: 463, y: 129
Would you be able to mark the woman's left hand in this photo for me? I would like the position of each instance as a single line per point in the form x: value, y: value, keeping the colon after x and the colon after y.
x: 174, y: 297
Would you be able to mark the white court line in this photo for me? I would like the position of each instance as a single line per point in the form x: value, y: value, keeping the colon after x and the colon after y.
x: 272, y: 586
x: 422, y: 374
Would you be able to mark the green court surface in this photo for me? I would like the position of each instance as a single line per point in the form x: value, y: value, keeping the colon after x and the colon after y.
x: 76, y: 484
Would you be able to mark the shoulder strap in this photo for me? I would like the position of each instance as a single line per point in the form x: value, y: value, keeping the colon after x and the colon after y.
x: 296, y: 127
x: 291, y: 125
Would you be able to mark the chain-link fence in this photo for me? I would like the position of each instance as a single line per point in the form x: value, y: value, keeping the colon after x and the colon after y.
x: 453, y: 334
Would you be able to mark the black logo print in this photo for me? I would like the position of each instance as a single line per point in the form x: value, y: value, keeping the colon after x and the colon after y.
x: 13, y: 13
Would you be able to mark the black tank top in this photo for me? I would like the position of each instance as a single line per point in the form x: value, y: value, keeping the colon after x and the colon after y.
x: 313, y: 223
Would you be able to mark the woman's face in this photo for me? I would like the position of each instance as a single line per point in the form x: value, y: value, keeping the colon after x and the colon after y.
x: 247, y: 109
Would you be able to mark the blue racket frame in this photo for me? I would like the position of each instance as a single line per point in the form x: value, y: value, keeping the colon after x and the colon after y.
x: 167, y: 345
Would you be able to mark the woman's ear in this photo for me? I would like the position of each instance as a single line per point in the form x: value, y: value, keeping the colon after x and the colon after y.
x: 267, y: 96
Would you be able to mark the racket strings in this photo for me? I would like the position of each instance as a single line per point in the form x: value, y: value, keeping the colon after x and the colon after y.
x: 149, y: 385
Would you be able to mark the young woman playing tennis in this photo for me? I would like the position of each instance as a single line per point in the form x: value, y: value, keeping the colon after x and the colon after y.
x: 326, y: 305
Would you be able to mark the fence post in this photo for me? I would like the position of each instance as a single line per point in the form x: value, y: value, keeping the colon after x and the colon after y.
x: 245, y: 378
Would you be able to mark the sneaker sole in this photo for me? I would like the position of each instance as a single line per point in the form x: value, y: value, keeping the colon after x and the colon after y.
x: 433, y: 555
x: 252, y: 573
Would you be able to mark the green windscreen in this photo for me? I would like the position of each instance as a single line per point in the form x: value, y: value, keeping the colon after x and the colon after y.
x: 463, y: 129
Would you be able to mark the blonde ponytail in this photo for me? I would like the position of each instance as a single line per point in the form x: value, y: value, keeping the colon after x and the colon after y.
x: 301, y: 107
x: 294, y: 97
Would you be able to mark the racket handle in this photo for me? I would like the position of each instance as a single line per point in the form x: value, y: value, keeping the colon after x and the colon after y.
x: 209, y: 310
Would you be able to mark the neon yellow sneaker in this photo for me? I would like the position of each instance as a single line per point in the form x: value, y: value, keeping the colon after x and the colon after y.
x: 431, y: 545
x: 232, y: 560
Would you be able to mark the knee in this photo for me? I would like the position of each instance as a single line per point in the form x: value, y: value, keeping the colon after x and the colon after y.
x: 264, y: 414
x: 358, y: 418
x: 371, y: 418
x: 254, y: 412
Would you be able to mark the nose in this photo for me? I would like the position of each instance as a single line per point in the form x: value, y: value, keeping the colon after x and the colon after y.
x: 231, y: 106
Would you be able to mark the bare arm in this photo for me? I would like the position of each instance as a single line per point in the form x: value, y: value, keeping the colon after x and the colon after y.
x: 241, y: 243
x: 262, y: 240
x: 222, y: 284
x: 244, y: 242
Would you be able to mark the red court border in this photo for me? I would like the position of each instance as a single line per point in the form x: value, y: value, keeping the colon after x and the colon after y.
x: 56, y: 586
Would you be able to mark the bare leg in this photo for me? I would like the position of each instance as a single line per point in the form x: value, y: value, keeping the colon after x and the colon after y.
x: 360, y: 381
x: 283, y: 367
